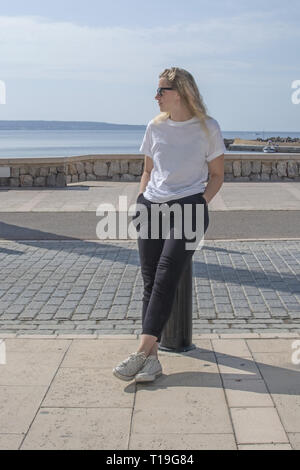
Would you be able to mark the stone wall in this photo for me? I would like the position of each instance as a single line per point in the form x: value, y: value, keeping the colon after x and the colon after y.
x: 29, y: 175
x: 60, y: 171
x: 115, y: 170
x: 261, y: 170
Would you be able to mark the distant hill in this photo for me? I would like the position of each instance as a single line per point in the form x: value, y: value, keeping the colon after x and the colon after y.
x: 65, y: 125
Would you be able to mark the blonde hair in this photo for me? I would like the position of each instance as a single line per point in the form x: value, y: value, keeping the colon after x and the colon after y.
x: 182, y: 81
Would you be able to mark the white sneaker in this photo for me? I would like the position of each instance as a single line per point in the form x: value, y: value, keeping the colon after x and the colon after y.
x: 128, y: 368
x: 150, y: 370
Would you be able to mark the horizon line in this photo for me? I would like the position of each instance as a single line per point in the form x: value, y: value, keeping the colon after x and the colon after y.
x: 118, y: 124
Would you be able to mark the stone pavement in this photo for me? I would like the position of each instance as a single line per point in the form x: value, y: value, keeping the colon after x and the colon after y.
x: 229, y: 393
x: 86, y: 287
x: 70, y: 310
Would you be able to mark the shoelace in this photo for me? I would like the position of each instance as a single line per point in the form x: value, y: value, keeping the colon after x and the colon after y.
x: 148, y: 362
x: 131, y: 356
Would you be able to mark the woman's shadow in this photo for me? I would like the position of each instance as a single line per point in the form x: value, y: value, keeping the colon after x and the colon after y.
x: 272, y: 379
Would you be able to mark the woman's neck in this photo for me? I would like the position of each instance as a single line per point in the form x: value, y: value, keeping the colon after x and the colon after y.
x: 181, y: 115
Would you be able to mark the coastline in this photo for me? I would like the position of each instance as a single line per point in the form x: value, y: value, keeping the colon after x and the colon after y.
x: 262, y: 143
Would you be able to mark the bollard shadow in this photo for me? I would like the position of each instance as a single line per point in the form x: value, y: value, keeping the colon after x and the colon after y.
x: 9, y: 251
x: 256, y: 376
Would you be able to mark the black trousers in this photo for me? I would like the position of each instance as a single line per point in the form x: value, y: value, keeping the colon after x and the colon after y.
x: 163, y: 260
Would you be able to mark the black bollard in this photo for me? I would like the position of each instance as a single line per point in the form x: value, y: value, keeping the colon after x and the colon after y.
x: 177, y: 332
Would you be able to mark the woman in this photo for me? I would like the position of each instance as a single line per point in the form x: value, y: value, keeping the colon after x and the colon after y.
x: 181, y: 145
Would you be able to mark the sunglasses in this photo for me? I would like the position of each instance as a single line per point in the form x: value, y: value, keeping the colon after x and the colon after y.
x: 160, y: 90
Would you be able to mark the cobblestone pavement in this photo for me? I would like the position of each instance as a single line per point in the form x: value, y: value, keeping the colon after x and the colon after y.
x: 86, y: 287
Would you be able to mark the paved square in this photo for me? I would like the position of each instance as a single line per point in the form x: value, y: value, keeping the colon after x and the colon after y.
x: 92, y: 287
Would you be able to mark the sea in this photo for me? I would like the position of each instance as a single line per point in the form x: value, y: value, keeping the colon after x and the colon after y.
x: 40, y: 139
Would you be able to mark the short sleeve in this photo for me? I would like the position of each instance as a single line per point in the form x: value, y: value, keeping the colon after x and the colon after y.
x: 147, y: 142
x: 216, y: 146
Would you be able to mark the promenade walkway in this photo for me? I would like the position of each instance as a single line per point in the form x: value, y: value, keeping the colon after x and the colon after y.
x: 70, y: 309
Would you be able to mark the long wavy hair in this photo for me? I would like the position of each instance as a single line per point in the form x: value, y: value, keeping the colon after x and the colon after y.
x: 182, y: 81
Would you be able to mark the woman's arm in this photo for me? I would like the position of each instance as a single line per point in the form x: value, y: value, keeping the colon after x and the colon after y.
x: 216, y: 177
x: 148, y: 166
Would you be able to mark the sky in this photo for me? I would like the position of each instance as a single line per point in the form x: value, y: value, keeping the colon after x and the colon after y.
x: 70, y: 60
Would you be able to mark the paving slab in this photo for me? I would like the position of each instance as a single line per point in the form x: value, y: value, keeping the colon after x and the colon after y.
x: 10, y: 441
x: 18, y: 406
x: 238, y: 347
x: 246, y: 393
x: 256, y: 425
x: 211, y: 397
x: 186, y: 441
x: 264, y: 447
x: 87, y: 387
x: 281, y: 376
x: 79, y: 429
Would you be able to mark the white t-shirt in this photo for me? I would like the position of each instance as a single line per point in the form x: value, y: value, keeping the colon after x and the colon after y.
x: 180, y: 151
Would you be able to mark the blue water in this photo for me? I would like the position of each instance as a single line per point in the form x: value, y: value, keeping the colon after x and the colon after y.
x: 53, y: 143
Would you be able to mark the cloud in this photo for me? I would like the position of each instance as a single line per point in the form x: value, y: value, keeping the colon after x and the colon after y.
x: 35, y: 47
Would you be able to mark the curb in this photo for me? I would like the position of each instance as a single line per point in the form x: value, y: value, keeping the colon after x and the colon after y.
x: 136, y: 337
